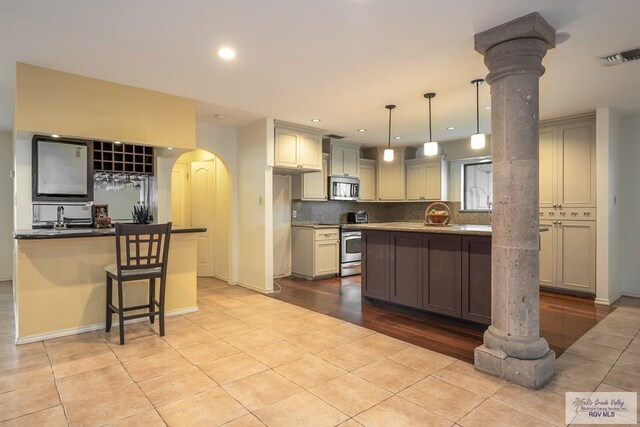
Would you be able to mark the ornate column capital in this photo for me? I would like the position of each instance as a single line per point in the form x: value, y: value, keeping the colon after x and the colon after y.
x: 531, y: 26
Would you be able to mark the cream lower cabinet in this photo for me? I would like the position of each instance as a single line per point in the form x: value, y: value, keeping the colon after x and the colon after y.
x: 315, y: 252
x: 311, y: 185
x: 367, y: 180
x: 568, y: 255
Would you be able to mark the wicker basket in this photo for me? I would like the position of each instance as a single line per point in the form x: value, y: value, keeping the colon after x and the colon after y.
x: 438, y: 214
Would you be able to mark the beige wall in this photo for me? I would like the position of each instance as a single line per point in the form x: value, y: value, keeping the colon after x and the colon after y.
x: 49, y: 101
x: 54, y: 300
x: 628, y: 245
x: 6, y: 206
x: 255, y: 211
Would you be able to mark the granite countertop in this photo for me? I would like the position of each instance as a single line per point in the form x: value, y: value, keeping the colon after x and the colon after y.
x: 316, y: 225
x: 49, y: 233
x: 419, y: 227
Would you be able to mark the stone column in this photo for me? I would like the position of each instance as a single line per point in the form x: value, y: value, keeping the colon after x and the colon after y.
x: 513, y: 348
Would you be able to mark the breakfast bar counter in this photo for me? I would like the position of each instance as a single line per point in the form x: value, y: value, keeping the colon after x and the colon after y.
x: 59, y: 280
x: 421, y: 227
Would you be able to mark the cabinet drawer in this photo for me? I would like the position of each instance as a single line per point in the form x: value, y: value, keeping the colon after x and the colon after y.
x: 327, y: 234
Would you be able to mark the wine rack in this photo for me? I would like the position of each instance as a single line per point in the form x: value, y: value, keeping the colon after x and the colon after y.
x: 130, y: 158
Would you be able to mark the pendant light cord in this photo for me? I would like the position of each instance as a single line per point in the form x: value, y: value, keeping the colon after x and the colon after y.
x: 389, y: 107
x: 430, y: 140
x: 389, y: 138
x: 477, y: 107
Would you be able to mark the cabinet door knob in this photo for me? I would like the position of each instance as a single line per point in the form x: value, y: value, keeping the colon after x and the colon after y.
x: 560, y: 206
x: 554, y: 206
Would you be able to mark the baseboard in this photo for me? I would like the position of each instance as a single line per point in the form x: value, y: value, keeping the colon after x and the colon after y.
x: 94, y: 327
x: 253, y: 288
x: 6, y: 279
x: 601, y: 301
x: 632, y: 294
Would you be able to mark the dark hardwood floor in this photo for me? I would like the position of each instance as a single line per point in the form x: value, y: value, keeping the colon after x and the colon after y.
x: 563, y: 319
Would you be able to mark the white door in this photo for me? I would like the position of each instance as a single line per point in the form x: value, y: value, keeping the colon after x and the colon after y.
x: 180, y: 195
x: 202, y: 213
x: 286, y: 144
x: 577, y: 164
x: 281, y: 226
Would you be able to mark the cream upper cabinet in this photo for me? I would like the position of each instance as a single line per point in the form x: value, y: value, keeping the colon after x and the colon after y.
x: 568, y: 164
x: 391, y: 176
x: 311, y: 185
x: 345, y: 156
x: 367, y: 180
x: 426, y: 179
x: 297, y: 148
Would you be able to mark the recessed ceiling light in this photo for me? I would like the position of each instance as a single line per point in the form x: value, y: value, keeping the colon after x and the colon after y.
x: 169, y: 148
x: 117, y: 142
x: 451, y: 128
x: 397, y: 137
x: 55, y: 136
x: 219, y: 116
x: 227, y: 53
x: 488, y: 107
x: 316, y: 120
x: 362, y: 130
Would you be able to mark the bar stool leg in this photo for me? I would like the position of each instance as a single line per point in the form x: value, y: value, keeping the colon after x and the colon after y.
x: 162, y: 289
x: 109, y: 301
x: 152, y: 295
x: 120, y: 312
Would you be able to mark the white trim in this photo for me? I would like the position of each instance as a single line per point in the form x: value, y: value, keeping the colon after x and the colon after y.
x: 94, y: 327
x: 253, y: 287
x: 601, y: 301
x: 633, y: 294
x: 7, y: 279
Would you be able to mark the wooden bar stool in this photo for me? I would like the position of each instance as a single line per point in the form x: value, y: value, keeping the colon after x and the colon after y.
x: 146, y: 249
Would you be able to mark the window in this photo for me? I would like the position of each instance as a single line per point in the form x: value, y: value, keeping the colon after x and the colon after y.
x: 477, y: 186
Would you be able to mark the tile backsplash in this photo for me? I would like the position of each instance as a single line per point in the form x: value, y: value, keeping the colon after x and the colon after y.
x: 335, y: 212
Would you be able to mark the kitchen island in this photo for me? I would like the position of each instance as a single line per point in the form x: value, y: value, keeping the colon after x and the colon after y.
x: 59, y: 280
x: 439, y: 269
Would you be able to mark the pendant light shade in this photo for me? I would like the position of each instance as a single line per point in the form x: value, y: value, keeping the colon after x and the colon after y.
x: 478, y: 141
x: 388, y: 152
x: 431, y: 147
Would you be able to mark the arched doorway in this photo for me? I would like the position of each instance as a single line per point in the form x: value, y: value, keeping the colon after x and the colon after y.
x: 201, y: 197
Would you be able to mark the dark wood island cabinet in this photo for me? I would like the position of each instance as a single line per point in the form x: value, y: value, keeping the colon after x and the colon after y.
x: 444, y: 273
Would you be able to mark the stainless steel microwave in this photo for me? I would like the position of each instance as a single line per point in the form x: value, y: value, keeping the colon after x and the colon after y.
x: 344, y: 188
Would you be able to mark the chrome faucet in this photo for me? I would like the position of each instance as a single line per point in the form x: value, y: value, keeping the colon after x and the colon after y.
x: 60, y: 221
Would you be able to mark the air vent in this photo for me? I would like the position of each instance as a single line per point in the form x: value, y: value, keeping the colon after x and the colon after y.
x: 334, y: 136
x: 621, y: 57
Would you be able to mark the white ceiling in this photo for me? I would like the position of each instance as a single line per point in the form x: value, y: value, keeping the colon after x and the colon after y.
x: 338, y: 60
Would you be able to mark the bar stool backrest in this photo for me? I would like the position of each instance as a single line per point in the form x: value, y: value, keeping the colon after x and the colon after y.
x: 146, y: 247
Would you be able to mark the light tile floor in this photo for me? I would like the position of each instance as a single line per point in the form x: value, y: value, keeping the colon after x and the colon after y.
x: 248, y: 360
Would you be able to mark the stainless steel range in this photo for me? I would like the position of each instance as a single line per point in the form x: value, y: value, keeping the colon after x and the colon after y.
x: 350, y: 245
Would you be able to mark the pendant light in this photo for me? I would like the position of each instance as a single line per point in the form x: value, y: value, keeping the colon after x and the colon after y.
x: 477, y: 139
x: 431, y: 147
x: 388, y: 152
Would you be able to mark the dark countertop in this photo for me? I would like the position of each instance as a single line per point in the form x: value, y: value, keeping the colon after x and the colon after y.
x: 85, y: 232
